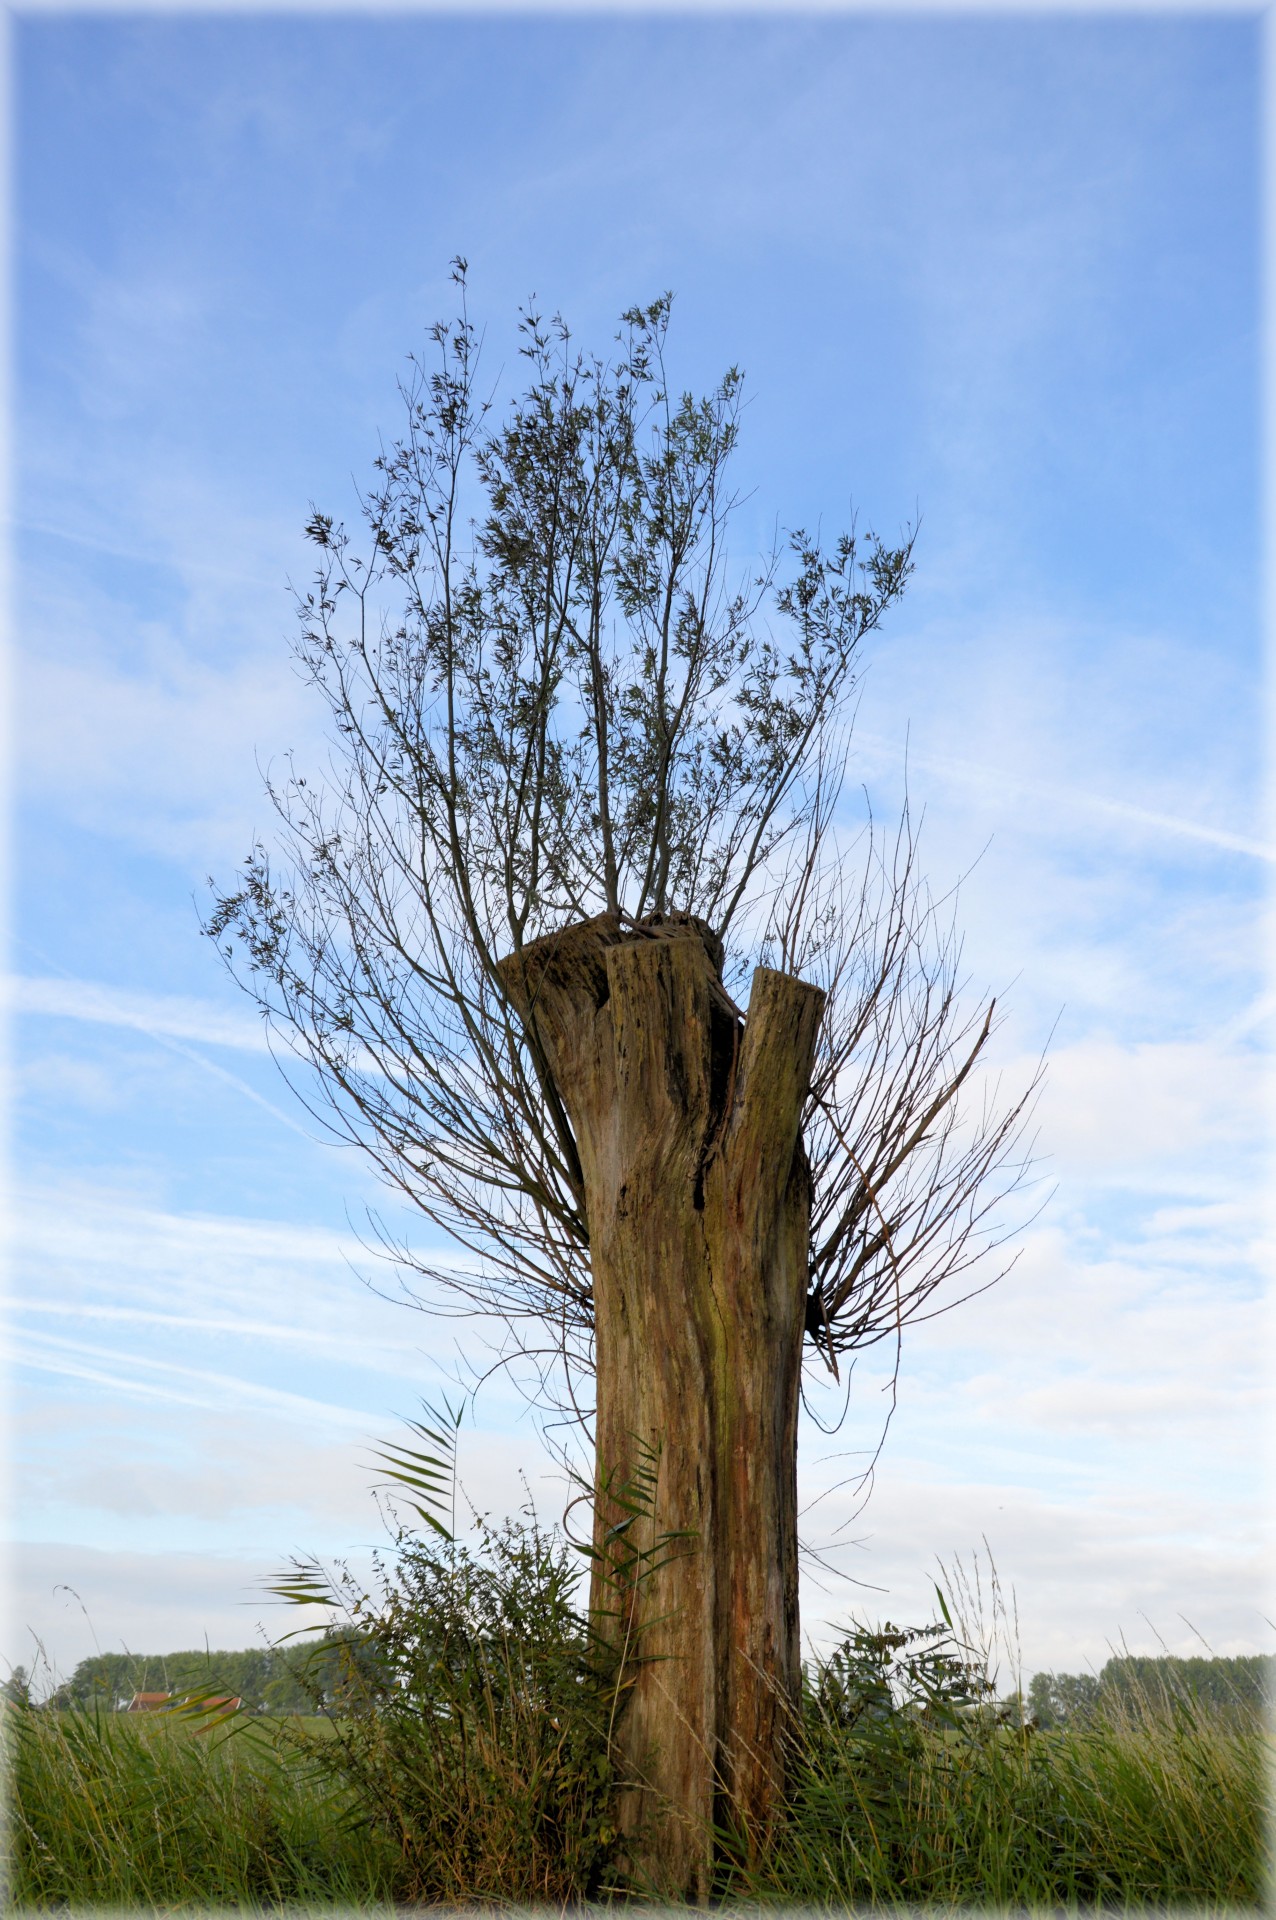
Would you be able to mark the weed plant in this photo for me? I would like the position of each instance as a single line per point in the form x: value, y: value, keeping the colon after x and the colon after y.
x: 473, y: 1726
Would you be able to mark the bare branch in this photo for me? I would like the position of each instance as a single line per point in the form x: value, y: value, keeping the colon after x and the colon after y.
x: 552, y: 702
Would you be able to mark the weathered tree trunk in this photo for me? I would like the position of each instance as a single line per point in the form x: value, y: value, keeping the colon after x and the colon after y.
x: 698, y: 1200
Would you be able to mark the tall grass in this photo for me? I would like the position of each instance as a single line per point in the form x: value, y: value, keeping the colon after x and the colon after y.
x: 148, y: 1811
x: 501, y: 1795
x: 1142, y: 1807
x: 465, y: 1757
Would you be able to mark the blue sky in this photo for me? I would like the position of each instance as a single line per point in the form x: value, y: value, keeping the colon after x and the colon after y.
x: 1004, y: 271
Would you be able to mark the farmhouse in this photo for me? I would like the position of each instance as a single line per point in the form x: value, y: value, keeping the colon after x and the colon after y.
x: 206, y: 1702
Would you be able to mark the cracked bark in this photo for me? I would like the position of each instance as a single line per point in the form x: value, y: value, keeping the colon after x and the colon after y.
x: 697, y: 1191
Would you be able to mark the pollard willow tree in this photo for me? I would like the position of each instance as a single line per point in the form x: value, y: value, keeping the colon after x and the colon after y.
x: 584, y: 789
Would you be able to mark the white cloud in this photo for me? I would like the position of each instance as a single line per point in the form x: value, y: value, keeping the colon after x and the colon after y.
x: 161, y: 752
x: 1099, y: 1415
x: 1099, y: 784
x: 242, y: 1327
x: 1133, y: 1565
x: 169, y: 1019
x: 1092, y: 1401
x: 78, y: 1246
x: 139, y: 1375
x: 1072, y: 1303
x: 1166, y: 1113
x: 118, y: 549
x: 1006, y: 782
x: 67, y: 1083
x: 167, y: 1536
x: 178, y: 1016
x: 74, y: 1600
x: 252, y: 1475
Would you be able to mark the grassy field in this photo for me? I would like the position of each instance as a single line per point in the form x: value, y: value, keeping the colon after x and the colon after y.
x: 1151, y: 1810
x: 467, y: 1761
x: 148, y: 1812
x: 1141, y: 1811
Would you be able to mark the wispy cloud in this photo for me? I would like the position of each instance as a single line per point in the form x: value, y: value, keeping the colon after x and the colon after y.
x: 997, y: 270
x: 85, y: 1227
x: 170, y: 1020
x: 171, y: 1016
x: 236, y: 1326
x: 1181, y: 1115
x: 155, y: 557
x: 1069, y: 801
x: 1131, y: 1566
x: 141, y: 1376
x: 168, y: 1282
x: 161, y: 1018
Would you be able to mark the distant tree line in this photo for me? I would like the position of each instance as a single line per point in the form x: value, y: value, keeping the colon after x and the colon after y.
x: 304, y: 1678
x: 1244, y: 1683
x: 332, y: 1670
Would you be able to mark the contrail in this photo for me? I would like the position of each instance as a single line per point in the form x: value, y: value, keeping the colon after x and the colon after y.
x: 175, y: 1016
x: 984, y: 775
x: 79, y: 1359
x: 83, y: 1000
x: 1190, y: 829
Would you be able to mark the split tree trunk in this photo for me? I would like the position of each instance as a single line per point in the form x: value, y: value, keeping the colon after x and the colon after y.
x: 698, y: 1200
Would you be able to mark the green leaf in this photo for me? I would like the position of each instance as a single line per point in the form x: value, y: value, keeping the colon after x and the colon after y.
x: 431, y: 1476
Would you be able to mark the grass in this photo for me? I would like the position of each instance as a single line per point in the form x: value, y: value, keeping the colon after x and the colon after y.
x: 1144, y: 1809
x: 150, y: 1812
x: 465, y: 1761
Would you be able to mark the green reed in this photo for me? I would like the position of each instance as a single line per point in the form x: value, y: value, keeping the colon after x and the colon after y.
x: 1148, y: 1805
x: 151, y: 1811
x: 464, y: 1758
